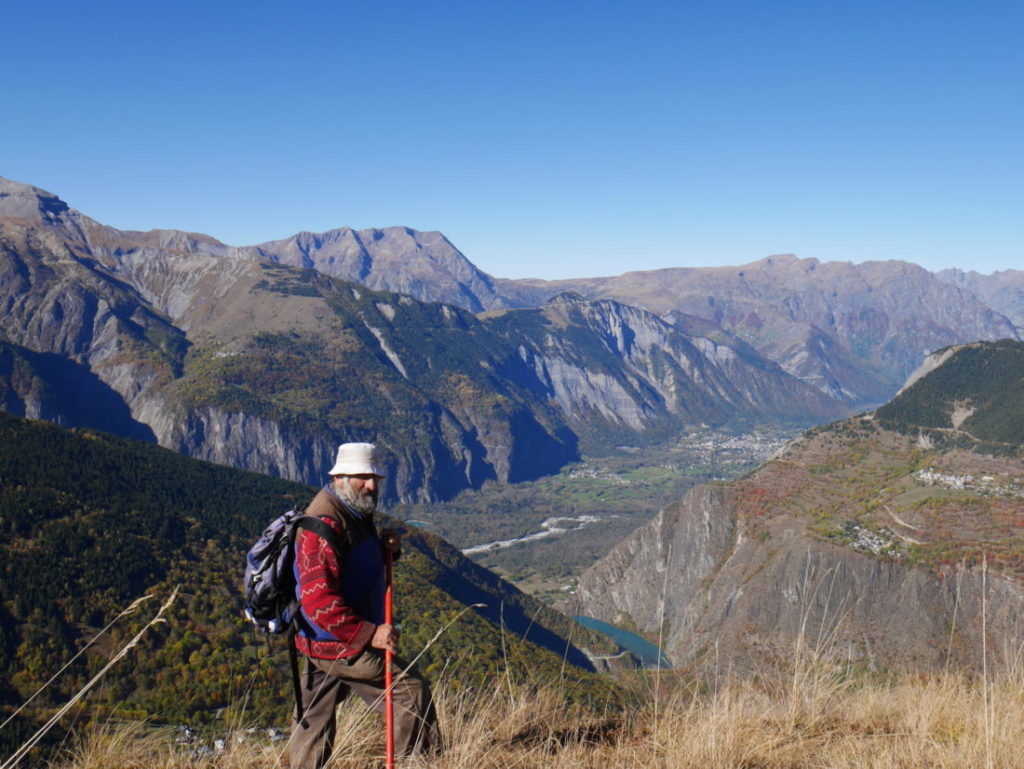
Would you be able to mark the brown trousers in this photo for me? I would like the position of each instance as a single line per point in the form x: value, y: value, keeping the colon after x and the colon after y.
x: 327, y: 683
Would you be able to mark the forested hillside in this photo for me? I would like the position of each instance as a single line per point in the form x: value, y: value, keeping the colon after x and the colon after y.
x: 972, y: 400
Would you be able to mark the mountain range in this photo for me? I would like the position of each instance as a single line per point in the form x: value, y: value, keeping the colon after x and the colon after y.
x: 854, y: 331
x: 265, y: 357
x: 908, y: 517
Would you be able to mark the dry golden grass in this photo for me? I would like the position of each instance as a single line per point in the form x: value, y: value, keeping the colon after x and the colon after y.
x: 818, y: 719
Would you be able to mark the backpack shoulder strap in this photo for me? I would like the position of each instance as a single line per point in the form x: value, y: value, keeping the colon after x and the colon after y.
x: 354, y: 532
x: 322, y: 530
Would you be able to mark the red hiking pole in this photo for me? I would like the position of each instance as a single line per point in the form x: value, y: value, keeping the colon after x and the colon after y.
x: 389, y: 700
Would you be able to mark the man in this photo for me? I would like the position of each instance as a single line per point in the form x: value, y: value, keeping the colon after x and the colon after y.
x: 341, y: 620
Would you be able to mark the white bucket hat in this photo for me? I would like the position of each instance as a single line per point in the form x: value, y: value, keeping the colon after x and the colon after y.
x: 357, y: 459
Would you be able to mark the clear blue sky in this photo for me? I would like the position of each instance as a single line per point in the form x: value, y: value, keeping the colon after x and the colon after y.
x: 554, y: 139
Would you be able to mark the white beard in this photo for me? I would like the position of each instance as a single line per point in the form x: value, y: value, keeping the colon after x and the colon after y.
x: 364, y: 503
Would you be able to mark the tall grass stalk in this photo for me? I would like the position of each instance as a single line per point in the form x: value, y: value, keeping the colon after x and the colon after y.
x: 984, y: 660
x: 21, y: 752
x: 130, y: 609
x: 956, y: 607
x: 661, y: 631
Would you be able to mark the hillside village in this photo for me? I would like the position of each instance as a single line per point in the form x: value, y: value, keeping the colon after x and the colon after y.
x: 1003, y: 485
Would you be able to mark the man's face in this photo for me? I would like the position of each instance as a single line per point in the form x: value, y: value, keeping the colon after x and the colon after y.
x: 360, y: 491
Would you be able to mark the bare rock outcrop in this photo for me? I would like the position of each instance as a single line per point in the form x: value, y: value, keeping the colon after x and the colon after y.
x: 719, y: 598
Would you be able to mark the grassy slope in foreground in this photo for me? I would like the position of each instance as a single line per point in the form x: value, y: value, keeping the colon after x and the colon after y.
x: 818, y: 719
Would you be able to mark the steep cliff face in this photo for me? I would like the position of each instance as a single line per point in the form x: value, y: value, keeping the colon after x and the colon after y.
x: 880, y: 613
x: 613, y: 367
x: 854, y: 331
x: 451, y: 457
x: 176, y: 338
x: 722, y: 587
x: 238, y: 439
x: 878, y: 547
x: 1003, y: 291
x: 653, y: 576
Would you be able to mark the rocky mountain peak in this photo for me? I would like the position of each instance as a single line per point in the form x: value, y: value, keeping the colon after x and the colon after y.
x: 422, y: 264
x: 775, y: 260
x: 567, y: 297
x: 27, y: 202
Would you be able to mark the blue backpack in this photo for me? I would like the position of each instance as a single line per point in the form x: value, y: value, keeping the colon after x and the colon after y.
x: 270, y: 601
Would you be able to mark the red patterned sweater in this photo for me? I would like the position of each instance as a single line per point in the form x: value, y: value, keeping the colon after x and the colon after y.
x: 340, y: 631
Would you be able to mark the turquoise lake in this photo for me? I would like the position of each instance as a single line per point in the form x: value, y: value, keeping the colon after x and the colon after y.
x: 641, y: 648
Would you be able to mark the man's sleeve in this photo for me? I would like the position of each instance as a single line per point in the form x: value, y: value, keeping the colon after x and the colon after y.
x: 320, y: 593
